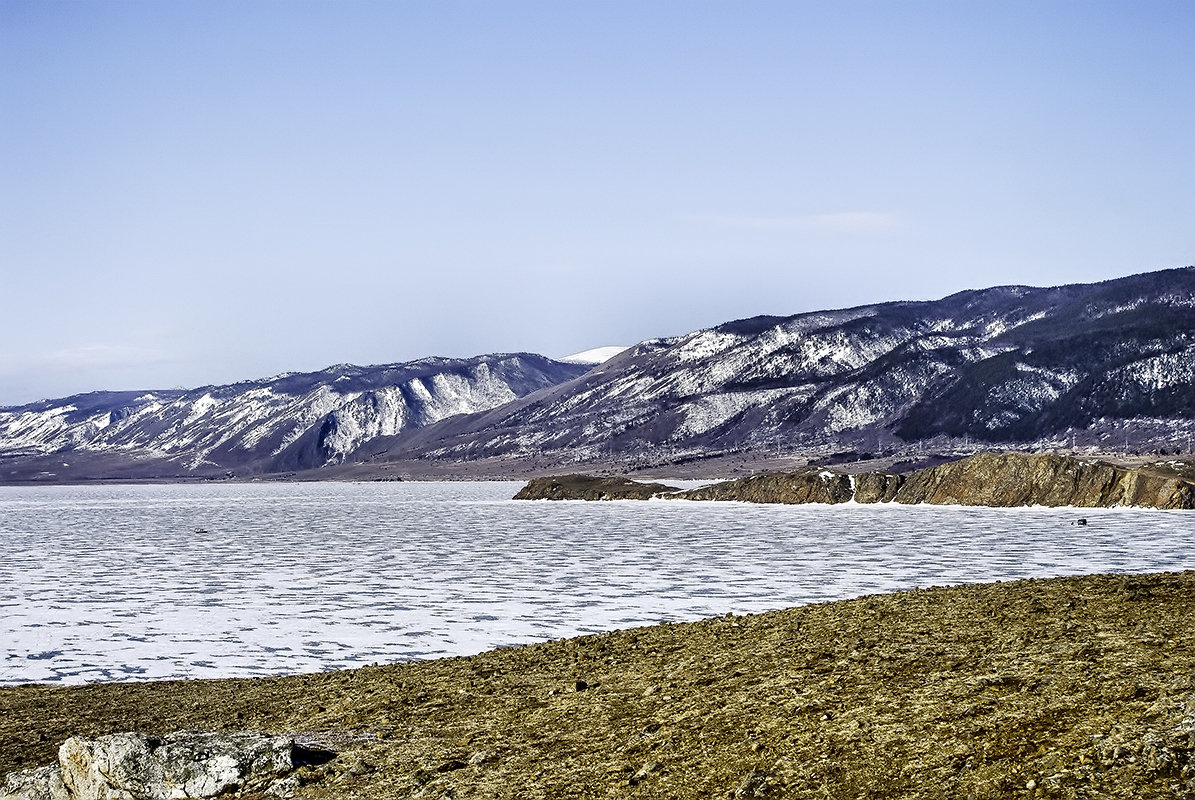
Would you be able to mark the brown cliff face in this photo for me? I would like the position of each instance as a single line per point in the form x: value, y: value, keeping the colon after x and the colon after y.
x: 807, y: 486
x: 1015, y: 479
x: 589, y: 487
x: 877, y: 487
x: 986, y: 479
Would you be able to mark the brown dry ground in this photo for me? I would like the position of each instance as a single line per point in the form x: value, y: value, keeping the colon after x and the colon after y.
x: 1068, y: 687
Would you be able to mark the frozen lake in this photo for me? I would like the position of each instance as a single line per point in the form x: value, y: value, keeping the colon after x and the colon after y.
x: 139, y: 582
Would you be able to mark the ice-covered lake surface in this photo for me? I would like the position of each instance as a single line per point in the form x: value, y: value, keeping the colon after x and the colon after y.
x: 140, y: 582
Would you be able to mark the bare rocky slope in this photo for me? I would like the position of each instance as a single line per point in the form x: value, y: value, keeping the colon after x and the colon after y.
x: 1077, y: 687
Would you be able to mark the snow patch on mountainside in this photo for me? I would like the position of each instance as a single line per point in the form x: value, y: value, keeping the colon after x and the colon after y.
x: 596, y: 355
x: 711, y: 411
x: 702, y: 345
x: 1165, y: 371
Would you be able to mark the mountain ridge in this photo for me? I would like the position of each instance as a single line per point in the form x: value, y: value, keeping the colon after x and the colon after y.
x: 1001, y: 365
x: 1101, y: 364
x: 287, y: 422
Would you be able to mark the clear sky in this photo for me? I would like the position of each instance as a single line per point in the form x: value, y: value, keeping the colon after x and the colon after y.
x: 200, y: 191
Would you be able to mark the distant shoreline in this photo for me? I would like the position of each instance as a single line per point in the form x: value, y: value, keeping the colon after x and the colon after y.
x: 718, y: 467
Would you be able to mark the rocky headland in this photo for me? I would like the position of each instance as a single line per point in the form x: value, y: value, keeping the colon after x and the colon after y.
x: 984, y: 479
x: 1076, y: 687
x: 589, y: 487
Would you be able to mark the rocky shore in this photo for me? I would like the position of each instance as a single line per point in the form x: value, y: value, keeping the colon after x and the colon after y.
x: 985, y: 479
x: 1080, y: 687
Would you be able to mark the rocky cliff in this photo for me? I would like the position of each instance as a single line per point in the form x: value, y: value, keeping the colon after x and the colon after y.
x: 807, y: 486
x: 985, y: 479
x: 1014, y: 479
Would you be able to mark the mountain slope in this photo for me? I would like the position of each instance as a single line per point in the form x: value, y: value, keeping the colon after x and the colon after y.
x: 292, y: 421
x: 1006, y: 364
x: 1001, y: 365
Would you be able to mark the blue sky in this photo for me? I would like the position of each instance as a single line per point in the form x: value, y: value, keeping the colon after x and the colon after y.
x: 201, y: 192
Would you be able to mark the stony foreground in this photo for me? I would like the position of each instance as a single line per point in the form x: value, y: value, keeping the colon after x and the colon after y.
x: 1068, y: 687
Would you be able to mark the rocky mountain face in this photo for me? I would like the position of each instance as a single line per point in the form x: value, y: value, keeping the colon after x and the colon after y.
x: 1007, y: 364
x: 290, y: 422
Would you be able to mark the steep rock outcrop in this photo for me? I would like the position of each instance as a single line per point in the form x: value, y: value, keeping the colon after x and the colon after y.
x: 877, y: 487
x: 589, y: 487
x: 807, y: 486
x: 985, y: 479
x: 1015, y: 479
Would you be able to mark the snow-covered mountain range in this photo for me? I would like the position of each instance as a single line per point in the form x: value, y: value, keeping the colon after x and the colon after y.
x: 289, y: 422
x: 1007, y: 364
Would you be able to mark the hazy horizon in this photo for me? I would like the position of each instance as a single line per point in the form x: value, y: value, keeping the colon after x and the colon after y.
x: 196, y: 193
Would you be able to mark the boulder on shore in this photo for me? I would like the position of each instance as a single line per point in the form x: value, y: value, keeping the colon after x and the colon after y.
x: 133, y: 766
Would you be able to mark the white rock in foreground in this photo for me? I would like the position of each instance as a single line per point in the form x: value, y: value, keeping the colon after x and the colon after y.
x: 34, y: 784
x: 131, y: 766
